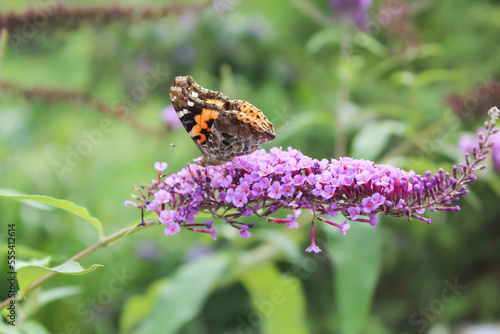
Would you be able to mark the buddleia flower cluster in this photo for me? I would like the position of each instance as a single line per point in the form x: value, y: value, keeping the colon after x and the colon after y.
x: 261, y: 183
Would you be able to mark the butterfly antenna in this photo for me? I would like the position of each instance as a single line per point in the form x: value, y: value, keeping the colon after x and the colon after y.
x: 183, y: 150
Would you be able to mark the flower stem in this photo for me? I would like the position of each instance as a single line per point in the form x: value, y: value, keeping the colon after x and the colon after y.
x: 105, y: 242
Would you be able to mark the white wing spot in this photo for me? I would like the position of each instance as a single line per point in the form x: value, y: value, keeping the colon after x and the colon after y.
x: 194, y: 94
x: 190, y: 103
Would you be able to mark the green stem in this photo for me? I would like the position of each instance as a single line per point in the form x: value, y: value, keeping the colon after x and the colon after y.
x: 342, y: 73
x: 3, y: 41
x: 105, y: 242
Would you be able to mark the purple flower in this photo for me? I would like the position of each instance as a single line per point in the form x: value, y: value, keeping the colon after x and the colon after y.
x: 244, y: 232
x: 209, y: 224
x: 275, y: 190
x: 172, y: 228
x: 169, y: 216
x: 257, y: 189
x: 367, y: 205
x: 313, y: 248
x: 377, y: 200
x: 264, y: 169
x: 264, y: 184
x: 354, y: 212
x: 344, y: 227
x: 160, y: 166
x: 213, y: 233
x: 169, y: 116
x: 239, y: 200
x: 353, y: 11
x: 327, y: 192
x: 292, y: 218
x: 332, y: 210
x: 162, y: 196
x: 373, y: 221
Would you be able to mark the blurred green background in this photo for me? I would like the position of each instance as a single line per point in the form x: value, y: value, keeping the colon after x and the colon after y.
x: 329, y: 88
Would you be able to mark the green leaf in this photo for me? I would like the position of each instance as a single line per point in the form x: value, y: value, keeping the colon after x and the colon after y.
x: 50, y: 295
x: 370, y: 43
x: 322, y: 39
x: 283, y: 242
x: 182, y: 297
x: 9, y: 329
x: 33, y: 327
x: 494, y: 182
x: 277, y: 300
x: 373, y: 138
x: 58, y: 203
x: 302, y: 121
x: 138, y: 307
x: 29, y: 272
x: 433, y: 76
x: 357, y: 261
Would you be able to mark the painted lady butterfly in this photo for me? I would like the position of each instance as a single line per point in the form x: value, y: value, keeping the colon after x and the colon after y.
x: 221, y: 128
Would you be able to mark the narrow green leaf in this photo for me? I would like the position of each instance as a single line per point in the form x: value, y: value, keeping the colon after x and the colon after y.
x: 9, y: 329
x: 370, y: 43
x: 151, y: 216
x: 50, y: 295
x: 373, y: 138
x: 182, y: 297
x: 321, y: 39
x: 29, y: 272
x: 357, y: 260
x: 33, y: 327
x: 280, y: 305
x: 58, y: 203
x: 302, y: 121
x: 138, y: 307
x: 494, y: 182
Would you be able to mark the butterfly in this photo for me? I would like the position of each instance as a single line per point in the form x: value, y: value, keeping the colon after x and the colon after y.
x: 221, y: 128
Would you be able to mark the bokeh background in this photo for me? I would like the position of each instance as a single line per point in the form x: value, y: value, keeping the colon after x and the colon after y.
x: 83, y: 117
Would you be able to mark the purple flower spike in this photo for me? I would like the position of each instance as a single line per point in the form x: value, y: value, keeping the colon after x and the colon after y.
x: 353, y: 11
x: 263, y: 184
x: 468, y: 144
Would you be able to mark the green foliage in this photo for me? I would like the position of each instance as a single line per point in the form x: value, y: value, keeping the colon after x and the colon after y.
x: 29, y: 272
x: 61, y: 204
x: 330, y: 90
x: 357, y: 263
